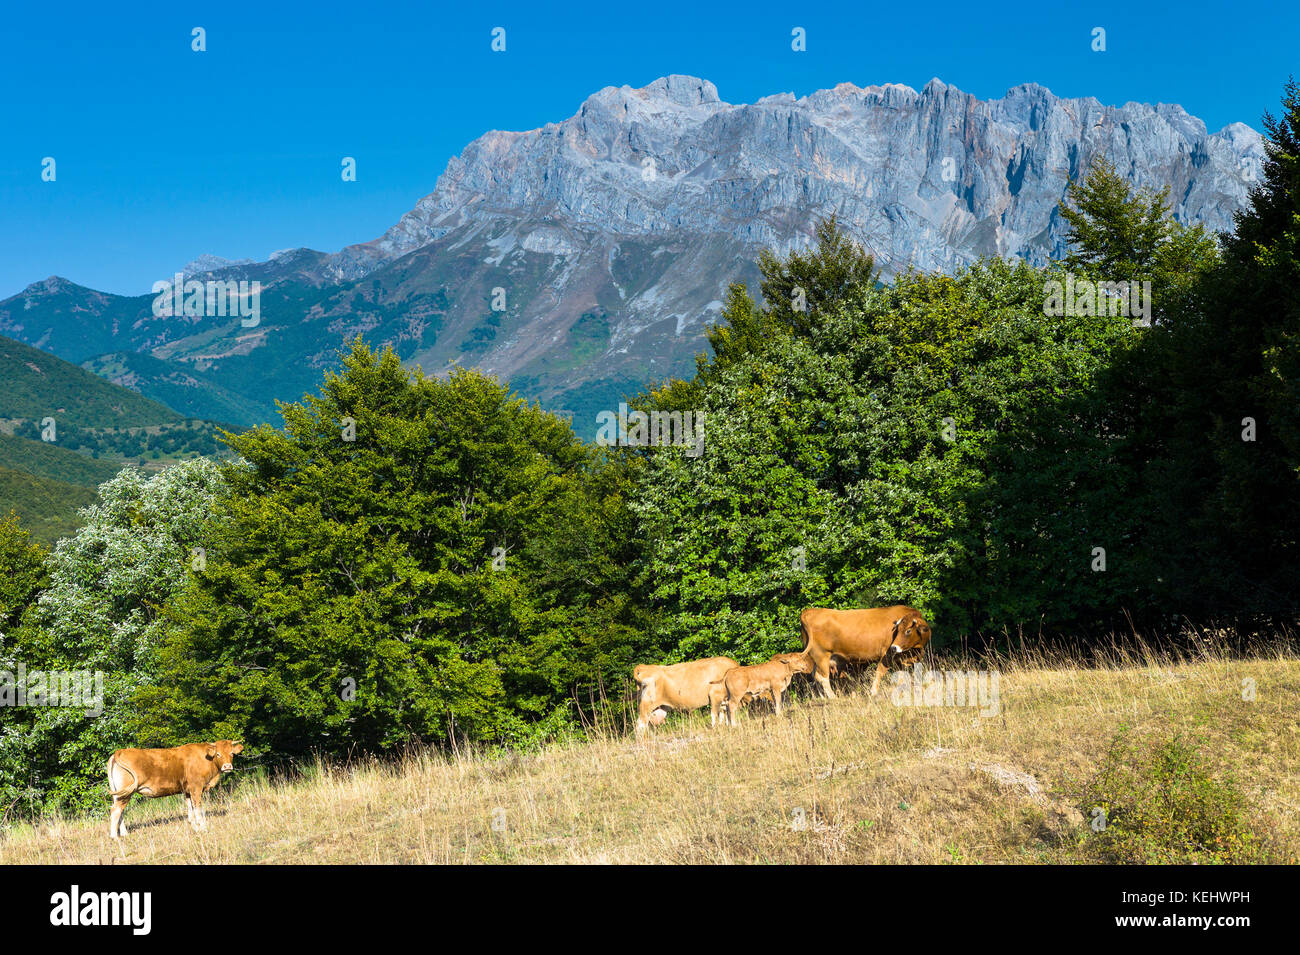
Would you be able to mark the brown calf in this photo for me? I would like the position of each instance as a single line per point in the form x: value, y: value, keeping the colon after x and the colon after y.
x: 770, y: 679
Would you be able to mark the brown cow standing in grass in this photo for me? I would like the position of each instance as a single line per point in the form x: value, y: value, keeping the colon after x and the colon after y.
x: 680, y: 686
x: 882, y: 635
x: 191, y: 769
x: 742, y: 684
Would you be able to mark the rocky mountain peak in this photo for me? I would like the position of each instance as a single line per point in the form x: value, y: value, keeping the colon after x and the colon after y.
x: 930, y: 179
x: 683, y: 90
x: 211, y: 263
x: 614, y: 233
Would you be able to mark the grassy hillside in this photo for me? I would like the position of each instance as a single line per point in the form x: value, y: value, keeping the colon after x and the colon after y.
x: 47, y: 508
x: 848, y: 780
x: 39, y: 385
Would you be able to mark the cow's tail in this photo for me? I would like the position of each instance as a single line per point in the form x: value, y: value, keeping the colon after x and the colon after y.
x: 803, y: 630
x: 126, y: 791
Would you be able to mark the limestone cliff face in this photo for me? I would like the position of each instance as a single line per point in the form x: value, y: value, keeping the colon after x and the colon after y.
x: 611, y: 237
x: 931, y: 178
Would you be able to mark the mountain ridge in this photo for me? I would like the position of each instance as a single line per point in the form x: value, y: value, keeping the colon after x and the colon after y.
x: 583, y: 259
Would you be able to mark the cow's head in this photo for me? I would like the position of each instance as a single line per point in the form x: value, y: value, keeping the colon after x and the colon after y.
x: 222, y: 752
x: 911, y: 634
x: 797, y: 662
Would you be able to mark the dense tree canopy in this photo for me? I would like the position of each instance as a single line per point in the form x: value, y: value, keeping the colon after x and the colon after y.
x: 904, y: 450
x: 406, y: 559
x: 1223, y: 404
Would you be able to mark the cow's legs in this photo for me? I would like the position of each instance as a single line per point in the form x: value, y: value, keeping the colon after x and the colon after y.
x: 776, y: 702
x: 197, y: 817
x: 881, y: 670
x: 822, y: 674
x: 117, y: 828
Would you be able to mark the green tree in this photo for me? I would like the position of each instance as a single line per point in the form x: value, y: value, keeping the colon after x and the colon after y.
x: 914, y: 447
x: 23, y: 572
x: 1125, y: 235
x: 458, y: 564
x: 797, y: 291
x: 801, y: 286
x: 1118, y: 235
x: 102, y: 611
x: 1223, y: 419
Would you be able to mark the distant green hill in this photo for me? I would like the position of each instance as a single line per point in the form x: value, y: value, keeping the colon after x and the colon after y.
x: 99, y: 427
x: 38, y: 385
x: 181, y: 387
x: 47, y: 508
x: 44, y: 460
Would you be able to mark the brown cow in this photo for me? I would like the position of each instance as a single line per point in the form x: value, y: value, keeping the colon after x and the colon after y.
x: 771, y: 679
x: 191, y: 769
x: 881, y: 635
x: 680, y: 686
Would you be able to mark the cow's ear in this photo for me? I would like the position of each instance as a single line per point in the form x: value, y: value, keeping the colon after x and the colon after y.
x: 237, y: 748
x: 211, y: 752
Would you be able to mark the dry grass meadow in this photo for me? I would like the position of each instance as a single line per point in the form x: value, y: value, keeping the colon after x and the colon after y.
x: 851, y: 780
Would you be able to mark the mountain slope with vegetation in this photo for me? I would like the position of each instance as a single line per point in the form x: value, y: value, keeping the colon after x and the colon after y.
x: 64, y: 430
x: 49, y: 460
x: 181, y: 387
x: 46, y: 507
x: 38, y: 385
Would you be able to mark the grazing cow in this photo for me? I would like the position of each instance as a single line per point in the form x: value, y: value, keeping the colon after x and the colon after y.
x: 881, y: 635
x: 191, y: 769
x: 680, y: 686
x: 771, y: 679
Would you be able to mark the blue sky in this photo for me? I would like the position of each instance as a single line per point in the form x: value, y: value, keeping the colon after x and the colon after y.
x: 164, y: 154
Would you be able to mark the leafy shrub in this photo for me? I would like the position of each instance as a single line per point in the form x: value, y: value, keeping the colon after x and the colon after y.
x: 1163, y: 803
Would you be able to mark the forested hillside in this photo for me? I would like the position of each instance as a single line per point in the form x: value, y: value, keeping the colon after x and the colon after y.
x: 64, y: 430
x: 39, y: 385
